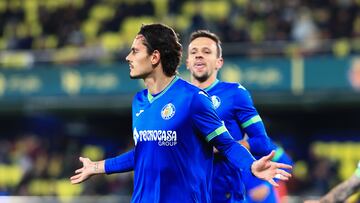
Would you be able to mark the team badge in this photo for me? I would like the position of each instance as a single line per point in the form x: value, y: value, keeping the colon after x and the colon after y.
x: 216, y: 101
x: 168, y: 111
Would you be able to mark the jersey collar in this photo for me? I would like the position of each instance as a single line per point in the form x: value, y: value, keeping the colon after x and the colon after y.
x: 152, y: 98
x: 212, y: 85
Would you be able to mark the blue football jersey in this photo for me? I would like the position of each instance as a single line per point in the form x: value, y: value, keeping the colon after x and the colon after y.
x: 174, y: 132
x: 173, y: 161
x: 235, y: 108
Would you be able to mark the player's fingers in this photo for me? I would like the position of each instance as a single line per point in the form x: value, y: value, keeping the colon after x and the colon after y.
x: 270, y: 156
x: 283, y: 173
x: 75, y: 177
x: 285, y: 166
x: 75, y: 181
x: 272, y: 182
x: 281, y: 177
x: 79, y: 170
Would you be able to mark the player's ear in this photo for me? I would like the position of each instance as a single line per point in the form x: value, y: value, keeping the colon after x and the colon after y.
x: 155, y: 57
x: 219, y: 63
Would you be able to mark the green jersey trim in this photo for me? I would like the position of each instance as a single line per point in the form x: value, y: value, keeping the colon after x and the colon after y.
x: 152, y: 98
x: 215, y: 133
x: 251, y: 121
x: 278, y: 153
x: 212, y: 85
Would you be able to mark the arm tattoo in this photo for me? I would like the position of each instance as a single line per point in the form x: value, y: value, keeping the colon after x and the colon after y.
x: 96, y: 167
x: 341, y: 192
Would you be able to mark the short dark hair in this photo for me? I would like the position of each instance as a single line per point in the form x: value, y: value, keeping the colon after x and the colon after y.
x: 163, y: 39
x: 210, y: 35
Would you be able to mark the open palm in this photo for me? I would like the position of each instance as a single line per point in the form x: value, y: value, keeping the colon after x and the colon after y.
x: 267, y: 170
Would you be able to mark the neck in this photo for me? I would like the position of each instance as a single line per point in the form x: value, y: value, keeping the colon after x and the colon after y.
x: 203, y: 85
x: 158, y: 83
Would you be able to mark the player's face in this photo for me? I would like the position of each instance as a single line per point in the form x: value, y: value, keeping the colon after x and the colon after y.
x: 138, y: 59
x: 202, y: 59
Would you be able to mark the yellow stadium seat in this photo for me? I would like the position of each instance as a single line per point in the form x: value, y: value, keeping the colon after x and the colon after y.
x: 161, y: 8
x: 257, y: 30
x: 346, y: 168
x: 65, y: 189
x: 111, y: 41
x: 31, y: 11
x: 93, y: 152
x: 14, y: 174
x: 130, y: 27
x: 102, y: 12
x: 55, y: 166
x: 211, y: 10
x: 300, y: 170
x: 181, y: 23
x: 2, y: 6
x: 334, y: 150
x: 41, y: 187
x: 90, y: 29
x: 215, y: 10
x: 3, y: 175
x: 189, y: 8
x: 3, y: 44
x: 341, y: 48
x: 51, y: 41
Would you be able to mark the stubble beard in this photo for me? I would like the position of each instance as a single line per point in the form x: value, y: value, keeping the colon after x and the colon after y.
x: 202, y: 77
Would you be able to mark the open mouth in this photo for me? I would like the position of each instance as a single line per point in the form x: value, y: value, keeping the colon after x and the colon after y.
x: 199, y: 65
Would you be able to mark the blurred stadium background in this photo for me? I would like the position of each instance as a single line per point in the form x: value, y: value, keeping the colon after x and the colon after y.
x: 65, y: 90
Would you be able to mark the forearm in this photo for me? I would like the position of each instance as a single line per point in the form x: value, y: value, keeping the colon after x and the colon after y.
x: 258, y: 143
x: 122, y: 163
x: 234, y: 152
x: 341, y: 192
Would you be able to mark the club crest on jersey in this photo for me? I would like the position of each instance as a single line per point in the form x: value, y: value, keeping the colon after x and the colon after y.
x: 168, y: 111
x: 216, y: 101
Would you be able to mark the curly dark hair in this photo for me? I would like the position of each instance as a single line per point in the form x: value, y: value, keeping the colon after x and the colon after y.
x: 163, y: 39
x: 210, y: 35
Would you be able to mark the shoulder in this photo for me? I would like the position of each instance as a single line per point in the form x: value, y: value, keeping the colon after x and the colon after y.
x: 140, y: 96
x: 236, y: 88
x: 186, y: 88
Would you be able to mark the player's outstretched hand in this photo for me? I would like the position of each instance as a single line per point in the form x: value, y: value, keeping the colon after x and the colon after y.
x: 89, y: 169
x: 266, y: 169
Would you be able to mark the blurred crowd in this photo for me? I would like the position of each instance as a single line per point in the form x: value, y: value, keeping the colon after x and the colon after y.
x: 41, y: 24
x: 31, y: 165
x: 38, y: 154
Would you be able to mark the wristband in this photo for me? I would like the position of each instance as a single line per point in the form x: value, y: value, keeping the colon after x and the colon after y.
x: 278, y: 153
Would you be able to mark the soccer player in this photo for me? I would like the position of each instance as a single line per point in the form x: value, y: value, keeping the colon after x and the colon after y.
x: 174, y: 128
x: 235, y: 108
